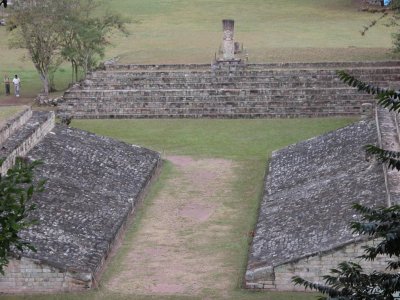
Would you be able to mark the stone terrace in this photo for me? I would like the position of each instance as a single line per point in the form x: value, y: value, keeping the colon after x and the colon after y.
x: 93, y: 187
x: 303, y: 223
x: 243, y: 91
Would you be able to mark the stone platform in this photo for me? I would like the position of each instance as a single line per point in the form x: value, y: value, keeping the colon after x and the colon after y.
x: 238, y: 91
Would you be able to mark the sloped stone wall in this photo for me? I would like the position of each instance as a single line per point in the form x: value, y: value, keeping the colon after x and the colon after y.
x: 303, y: 226
x: 93, y: 188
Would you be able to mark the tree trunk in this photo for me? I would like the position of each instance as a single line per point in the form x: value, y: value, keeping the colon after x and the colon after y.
x: 45, y: 82
x: 76, y: 72
x: 72, y: 72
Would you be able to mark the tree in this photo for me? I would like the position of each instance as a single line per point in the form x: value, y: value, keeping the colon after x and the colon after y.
x: 36, y: 28
x: 349, y: 281
x: 85, y: 35
x: 16, y: 190
x: 56, y: 30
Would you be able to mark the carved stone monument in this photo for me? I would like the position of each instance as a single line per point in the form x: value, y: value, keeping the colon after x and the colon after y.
x: 230, y: 50
x: 228, y: 44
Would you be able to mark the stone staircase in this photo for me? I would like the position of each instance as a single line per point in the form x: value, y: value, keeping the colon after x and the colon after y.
x: 251, y: 91
x: 20, y: 134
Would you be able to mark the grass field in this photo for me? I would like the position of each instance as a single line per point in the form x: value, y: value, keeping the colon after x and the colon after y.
x: 189, y: 31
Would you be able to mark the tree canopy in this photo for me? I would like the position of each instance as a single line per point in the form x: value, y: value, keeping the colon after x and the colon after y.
x: 56, y: 30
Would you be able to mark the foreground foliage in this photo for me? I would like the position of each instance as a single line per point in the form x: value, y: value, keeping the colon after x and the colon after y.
x: 16, y: 189
x: 348, y: 280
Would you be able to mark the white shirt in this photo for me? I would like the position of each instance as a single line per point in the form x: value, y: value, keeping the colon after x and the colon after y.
x: 16, y: 81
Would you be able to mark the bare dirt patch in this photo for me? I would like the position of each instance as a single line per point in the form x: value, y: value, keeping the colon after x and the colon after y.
x: 196, y: 211
x: 177, y: 249
x: 12, y: 100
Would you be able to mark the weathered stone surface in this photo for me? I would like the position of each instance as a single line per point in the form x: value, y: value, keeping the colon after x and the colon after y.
x: 93, y: 185
x: 27, y: 275
x: 14, y: 124
x: 251, y: 91
x: 25, y: 137
x: 309, y: 190
x: 228, y: 48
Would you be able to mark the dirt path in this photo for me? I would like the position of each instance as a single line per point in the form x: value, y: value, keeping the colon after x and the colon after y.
x: 178, y: 250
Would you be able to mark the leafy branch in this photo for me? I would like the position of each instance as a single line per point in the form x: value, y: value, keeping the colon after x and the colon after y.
x: 16, y: 190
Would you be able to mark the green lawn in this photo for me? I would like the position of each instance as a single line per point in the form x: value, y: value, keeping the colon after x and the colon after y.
x: 189, y: 31
x: 241, y: 139
x: 9, y: 111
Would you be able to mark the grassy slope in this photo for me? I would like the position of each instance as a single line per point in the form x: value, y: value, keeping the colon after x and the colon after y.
x: 189, y: 31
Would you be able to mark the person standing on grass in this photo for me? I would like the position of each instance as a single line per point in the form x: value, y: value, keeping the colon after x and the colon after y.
x: 17, y: 84
x: 7, y: 84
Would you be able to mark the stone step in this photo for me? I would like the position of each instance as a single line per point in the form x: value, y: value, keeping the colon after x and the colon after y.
x: 213, y: 92
x: 242, y: 74
x: 218, y: 101
x: 217, y: 85
x: 232, y: 112
x: 155, y: 67
x: 209, y: 78
x: 210, y: 115
x: 234, y: 100
x: 223, y: 105
x: 327, y: 65
x: 22, y: 140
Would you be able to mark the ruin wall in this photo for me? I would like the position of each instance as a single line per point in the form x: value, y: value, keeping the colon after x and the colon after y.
x: 25, y: 275
x: 311, y: 268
